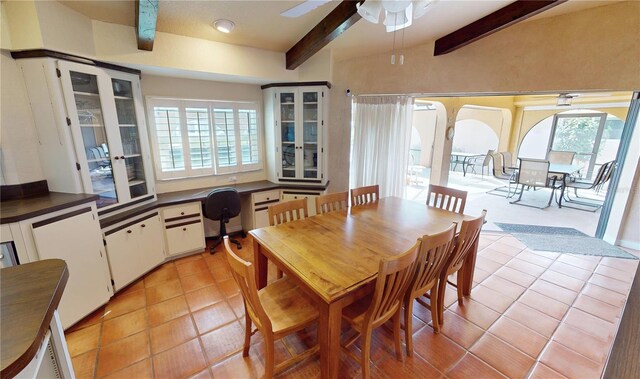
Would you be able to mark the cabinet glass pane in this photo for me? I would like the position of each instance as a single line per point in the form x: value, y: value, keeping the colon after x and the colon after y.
x: 94, y: 137
x: 129, y: 136
x: 288, y: 131
x: 310, y: 126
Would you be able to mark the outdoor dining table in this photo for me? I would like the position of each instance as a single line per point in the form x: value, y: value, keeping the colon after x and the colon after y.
x: 334, y: 257
x: 565, y: 170
x: 466, y: 157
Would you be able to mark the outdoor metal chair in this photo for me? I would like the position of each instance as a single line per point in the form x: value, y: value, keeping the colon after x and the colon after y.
x: 499, y: 173
x: 601, y: 177
x: 535, y: 173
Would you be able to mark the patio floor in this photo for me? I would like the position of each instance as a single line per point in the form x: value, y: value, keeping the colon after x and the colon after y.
x: 500, y: 210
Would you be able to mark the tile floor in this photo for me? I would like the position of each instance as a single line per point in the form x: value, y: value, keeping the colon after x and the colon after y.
x: 531, y: 315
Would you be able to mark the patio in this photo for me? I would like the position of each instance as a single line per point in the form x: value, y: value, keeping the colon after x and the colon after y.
x: 500, y: 210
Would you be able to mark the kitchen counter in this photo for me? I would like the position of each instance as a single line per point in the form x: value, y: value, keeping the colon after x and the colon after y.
x: 30, y: 294
x: 22, y: 209
x: 200, y: 194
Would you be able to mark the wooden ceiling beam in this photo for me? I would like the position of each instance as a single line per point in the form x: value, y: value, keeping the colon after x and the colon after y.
x: 511, y: 14
x: 146, y: 17
x: 336, y: 22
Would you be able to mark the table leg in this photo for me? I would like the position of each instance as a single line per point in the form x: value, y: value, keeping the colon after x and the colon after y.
x: 562, y: 191
x: 468, y: 268
x: 329, y: 339
x: 261, y: 265
x: 464, y: 166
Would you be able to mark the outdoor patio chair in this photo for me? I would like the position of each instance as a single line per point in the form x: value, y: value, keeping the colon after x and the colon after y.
x: 561, y: 157
x: 499, y: 173
x: 534, y: 173
x: 507, y: 162
x: 600, y: 178
x: 482, y: 162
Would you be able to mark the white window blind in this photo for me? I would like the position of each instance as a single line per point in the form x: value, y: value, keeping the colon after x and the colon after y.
x: 194, y: 138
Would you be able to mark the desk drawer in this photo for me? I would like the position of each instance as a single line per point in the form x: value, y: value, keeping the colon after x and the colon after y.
x: 180, y: 212
x: 266, y: 196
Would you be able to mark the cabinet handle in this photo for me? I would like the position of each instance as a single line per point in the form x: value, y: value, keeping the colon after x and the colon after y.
x: 128, y: 231
x: 184, y: 229
x: 122, y: 157
x: 181, y: 213
x: 143, y: 225
x: 116, y: 157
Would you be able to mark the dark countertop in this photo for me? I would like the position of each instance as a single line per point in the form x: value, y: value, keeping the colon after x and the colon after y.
x: 200, y: 194
x: 22, y: 209
x: 30, y: 294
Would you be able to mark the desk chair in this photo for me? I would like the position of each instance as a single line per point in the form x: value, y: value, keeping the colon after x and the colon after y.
x: 222, y: 204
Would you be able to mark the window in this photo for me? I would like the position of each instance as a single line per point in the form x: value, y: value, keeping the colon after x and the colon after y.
x: 194, y: 138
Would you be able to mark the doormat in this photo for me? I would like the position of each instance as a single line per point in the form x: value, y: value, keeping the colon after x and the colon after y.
x: 539, y: 229
x: 572, y: 244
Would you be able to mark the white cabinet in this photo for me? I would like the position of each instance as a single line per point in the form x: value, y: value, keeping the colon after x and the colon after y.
x: 75, y: 237
x: 91, y: 129
x: 302, y: 194
x: 254, y: 208
x: 183, y: 228
x: 296, y: 132
x: 134, y: 248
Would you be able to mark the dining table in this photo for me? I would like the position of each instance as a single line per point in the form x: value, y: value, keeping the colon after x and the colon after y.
x: 334, y: 257
x: 560, y: 169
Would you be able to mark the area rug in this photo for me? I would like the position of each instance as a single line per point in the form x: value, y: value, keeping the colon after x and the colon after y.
x: 539, y: 229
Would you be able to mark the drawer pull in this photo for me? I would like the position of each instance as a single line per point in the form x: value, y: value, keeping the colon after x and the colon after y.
x: 184, y: 229
x: 129, y: 231
x: 181, y: 213
x: 143, y: 225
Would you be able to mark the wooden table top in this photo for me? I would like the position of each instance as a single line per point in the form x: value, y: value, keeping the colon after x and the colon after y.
x: 336, y: 252
x: 30, y: 294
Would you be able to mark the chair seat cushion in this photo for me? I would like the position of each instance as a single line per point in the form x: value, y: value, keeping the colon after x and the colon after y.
x: 287, y: 306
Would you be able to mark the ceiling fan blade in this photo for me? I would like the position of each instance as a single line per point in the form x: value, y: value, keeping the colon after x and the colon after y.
x: 303, y: 8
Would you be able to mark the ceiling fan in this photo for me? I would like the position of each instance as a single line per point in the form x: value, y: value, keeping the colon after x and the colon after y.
x: 303, y: 8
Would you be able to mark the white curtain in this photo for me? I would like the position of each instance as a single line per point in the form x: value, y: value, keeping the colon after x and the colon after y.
x: 380, y: 143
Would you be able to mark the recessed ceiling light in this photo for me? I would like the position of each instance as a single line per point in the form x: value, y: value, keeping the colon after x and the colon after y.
x: 224, y: 26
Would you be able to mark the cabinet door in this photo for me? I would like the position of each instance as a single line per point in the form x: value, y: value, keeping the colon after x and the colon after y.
x: 129, y: 128
x: 287, y: 114
x: 150, y: 243
x: 90, y: 108
x: 261, y: 218
x: 124, y: 256
x: 183, y: 238
x: 311, y: 127
x: 76, y: 239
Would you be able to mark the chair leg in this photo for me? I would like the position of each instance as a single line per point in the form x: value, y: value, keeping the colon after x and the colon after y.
x: 396, y: 334
x: 441, y: 289
x: 408, y: 324
x: 247, y: 334
x: 270, y: 364
x: 459, y: 288
x: 279, y: 274
x: 435, y: 319
x: 366, y: 352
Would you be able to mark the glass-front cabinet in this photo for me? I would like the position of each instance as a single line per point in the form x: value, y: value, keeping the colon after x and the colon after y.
x: 107, y: 127
x: 298, y: 124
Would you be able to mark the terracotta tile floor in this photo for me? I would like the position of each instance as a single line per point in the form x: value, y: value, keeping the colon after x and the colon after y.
x: 531, y: 315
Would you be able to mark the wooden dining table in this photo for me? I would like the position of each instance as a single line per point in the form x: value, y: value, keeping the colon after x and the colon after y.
x: 334, y: 257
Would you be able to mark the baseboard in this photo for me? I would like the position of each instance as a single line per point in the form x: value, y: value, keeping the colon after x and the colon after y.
x: 635, y: 245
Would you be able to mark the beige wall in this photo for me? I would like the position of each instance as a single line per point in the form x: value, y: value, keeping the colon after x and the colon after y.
x: 202, y: 90
x: 516, y: 59
x: 18, y: 139
x: 630, y: 234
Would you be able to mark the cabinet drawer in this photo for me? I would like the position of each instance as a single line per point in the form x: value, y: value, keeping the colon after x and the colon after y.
x: 179, y: 212
x: 185, y: 237
x: 262, y: 197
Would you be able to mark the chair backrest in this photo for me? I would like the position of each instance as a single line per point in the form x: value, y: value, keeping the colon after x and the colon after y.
x: 288, y: 211
x: 434, y: 253
x: 365, y: 195
x: 394, y: 276
x: 487, y: 158
x: 332, y: 202
x: 507, y: 159
x: 469, y: 232
x: 609, y: 172
x: 243, y: 273
x: 222, y: 204
x: 498, y: 168
x: 561, y: 157
x: 446, y: 198
x: 601, y: 175
x: 533, y: 172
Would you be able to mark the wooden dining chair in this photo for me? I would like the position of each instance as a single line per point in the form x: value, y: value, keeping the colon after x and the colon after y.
x: 370, y: 312
x: 469, y: 233
x: 446, y: 198
x: 365, y: 195
x: 285, y: 212
x: 433, y: 255
x: 277, y: 310
x: 332, y: 202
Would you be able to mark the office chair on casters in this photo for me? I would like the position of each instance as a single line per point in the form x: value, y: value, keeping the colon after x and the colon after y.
x: 222, y: 204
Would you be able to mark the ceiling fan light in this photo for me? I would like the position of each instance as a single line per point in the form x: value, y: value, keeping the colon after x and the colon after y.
x: 223, y: 25
x: 394, y: 6
x: 398, y: 20
x: 370, y: 10
x: 421, y: 7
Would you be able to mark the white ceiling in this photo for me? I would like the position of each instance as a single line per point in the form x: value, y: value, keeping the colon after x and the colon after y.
x: 259, y: 24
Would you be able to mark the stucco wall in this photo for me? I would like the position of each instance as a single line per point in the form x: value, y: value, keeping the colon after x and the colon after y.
x: 593, y: 49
